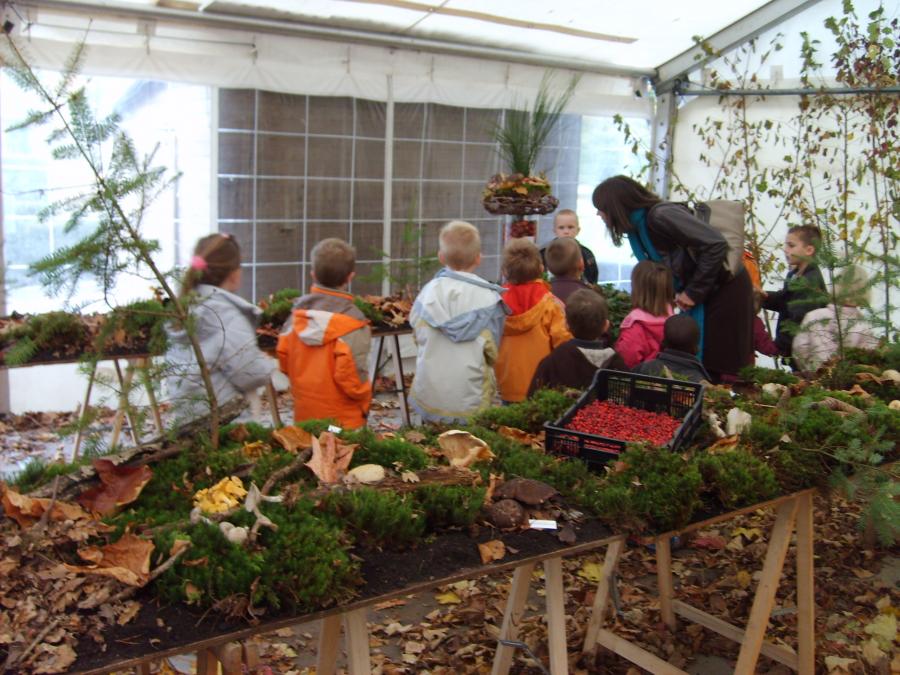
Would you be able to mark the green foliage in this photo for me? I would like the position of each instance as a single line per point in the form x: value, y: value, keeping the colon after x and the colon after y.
x: 888, y: 357
x: 657, y: 486
x: 143, y: 322
x: 53, y: 332
x: 449, y: 505
x: 256, y: 431
x: 797, y: 468
x: 316, y: 427
x: 388, y: 452
x: 546, y: 405
x: 619, y: 305
x: 377, y: 519
x: 738, y: 478
x: 762, y: 435
x: 766, y: 375
x: 30, y: 477
x: 278, y: 306
x: 370, y: 311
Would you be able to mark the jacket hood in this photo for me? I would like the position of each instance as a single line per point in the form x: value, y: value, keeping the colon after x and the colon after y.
x: 456, y: 304
x: 316, y: 327
x: 527, y: 320
x: 213, y: 299
x: 522, y: 297
x: 641, y: 316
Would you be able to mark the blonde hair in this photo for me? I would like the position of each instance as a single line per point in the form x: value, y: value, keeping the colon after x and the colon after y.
x: 333, y: 261
x: 460, y: 244
x: 565, y: 212
x: 521, y: 261
x: 851, y: 287
x: 562, y: 256
x: 652, y: 288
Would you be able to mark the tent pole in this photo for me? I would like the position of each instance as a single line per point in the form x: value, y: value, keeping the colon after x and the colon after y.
x: 662, y: 141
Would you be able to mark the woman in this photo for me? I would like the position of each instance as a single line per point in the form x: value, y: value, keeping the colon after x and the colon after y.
x: 695, y: 253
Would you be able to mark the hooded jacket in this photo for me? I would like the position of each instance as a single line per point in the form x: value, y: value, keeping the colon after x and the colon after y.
x: 324, y: 350
x: 225, y: 325
x: 573, y: 364
x: 676, y: 363
x: 802, y: 293
x: 457, y: 322
x: 640, y: 336
x: 536, y: 327
x: 819, y: 336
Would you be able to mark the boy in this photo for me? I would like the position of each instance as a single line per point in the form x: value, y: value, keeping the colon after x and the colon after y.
x: 574, y: 363
x: 681, y: 340
x: 804, y: 287
x: 324, y: 347
x: 457, y: 322
x: 565, y: 263
x: 536, y: 326
x: 565, y: 224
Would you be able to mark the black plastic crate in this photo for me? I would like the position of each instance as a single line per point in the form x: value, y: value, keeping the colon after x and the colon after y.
x: 682, y: 400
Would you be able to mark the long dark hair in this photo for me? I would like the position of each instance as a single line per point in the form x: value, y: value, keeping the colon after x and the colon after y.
x: 617, y: 197
x: 215, y: 257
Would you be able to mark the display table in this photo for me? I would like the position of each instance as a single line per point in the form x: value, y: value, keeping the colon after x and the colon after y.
x: 392, y: 336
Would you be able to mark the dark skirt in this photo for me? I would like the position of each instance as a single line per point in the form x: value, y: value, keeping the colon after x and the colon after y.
x: 728, y: 327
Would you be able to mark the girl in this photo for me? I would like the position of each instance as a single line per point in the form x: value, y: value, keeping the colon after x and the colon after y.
x: 694, y: 252
x: 641, y: 332
x: 225, y: 325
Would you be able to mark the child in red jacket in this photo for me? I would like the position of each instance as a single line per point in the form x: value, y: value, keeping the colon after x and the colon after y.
x: 641, y: 332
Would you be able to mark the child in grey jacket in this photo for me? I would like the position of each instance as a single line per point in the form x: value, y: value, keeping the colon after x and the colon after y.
x: 225, y: 325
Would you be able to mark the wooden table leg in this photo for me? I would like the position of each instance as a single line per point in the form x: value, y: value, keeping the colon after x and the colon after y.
x: 768, y: 585
x: 84, y: 411
x: 515, y: 604
x: 806, y: 604
x: 144, y: 365
x: 207, y: 663
x: 124, y: 405
x: 664, y: 581
x: 601, y: 599
x: 273, y: 403
x: 231, y: 656
x: 398, y: 378
x: 358, y: 660
x: 143, y: 669
x: 556, y: 617
x: 329, y: 639
x: 376, y: 364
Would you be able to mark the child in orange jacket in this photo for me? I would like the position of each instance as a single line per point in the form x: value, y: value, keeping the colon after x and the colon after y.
x: 324, y: 347
x: 536, y: 325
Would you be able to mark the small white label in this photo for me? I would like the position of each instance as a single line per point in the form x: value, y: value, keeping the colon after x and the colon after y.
x: 334, y: 429
x: 536, y: 524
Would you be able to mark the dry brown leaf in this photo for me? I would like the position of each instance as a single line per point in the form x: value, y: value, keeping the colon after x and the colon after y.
x: 120, y: 485
x: 534, y: 441
x: 239, y: 434
x: 462, y: 448
x: 722, y: 445
x: 491, y: 551
x: 26, y: 511
x: 255, y: 450
x: 127, y: 560
x: 330, y: 458
x: 495, y: 480
x: 293, y: 438
x: 414, y: 436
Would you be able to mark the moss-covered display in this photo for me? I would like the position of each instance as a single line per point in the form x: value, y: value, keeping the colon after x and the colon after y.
x: 52, y: 335
x: 528, y: 415
x: 450, y: 505
x: 738, y: 478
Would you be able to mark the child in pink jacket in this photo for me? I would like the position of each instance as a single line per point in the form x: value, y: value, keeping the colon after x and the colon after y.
x: 641, y: 332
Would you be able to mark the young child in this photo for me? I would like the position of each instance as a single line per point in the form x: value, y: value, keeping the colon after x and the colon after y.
x: 641, y: 332
x: 565, y: 263
x: 536, y: 326
x: 574, y: 363
x: 681, y: 340
x: 565, y: 225
x: 803, y: 289
x: 324, y: 347
x: 457, y: 321
x: 225, y: 325
x: 824, y: 330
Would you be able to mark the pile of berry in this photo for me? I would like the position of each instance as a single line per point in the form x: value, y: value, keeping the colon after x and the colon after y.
x: 612, y: 420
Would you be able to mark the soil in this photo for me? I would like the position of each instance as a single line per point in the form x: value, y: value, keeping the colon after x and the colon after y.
x: 158, y: 628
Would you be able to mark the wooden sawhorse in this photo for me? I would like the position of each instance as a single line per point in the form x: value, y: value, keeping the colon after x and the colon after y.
x: 393, y: 339
x: 791, y: 511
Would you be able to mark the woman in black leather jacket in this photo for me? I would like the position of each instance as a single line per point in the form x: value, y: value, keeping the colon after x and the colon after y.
x: 695, y: 252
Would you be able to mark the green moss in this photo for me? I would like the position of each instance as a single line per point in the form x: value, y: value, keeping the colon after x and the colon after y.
x: 377, y: 519
x: 316, y: 427
x: 279, y: 306
x: 255, y: 431
x: 529, y: 415
x: 54, y: 332
x: 762, y: 435
x: 449, y: 505
x: 766, y: 375
x: 389, y: 452
x: 738, y: 478
x: 143, y: 321
x: 797, y: 468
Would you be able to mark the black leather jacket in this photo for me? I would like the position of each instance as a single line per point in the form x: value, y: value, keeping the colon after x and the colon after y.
x: 693, y: 250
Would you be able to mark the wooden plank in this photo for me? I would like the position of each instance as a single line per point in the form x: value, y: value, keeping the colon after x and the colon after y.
x: 207, y: 664
x: 273, y: 403
x: 601, y: 598
x: 230, y: 656
x: 144, y: 365
x: 664, y: 581
x: 776, y: 652
x: 806, y: 601
x: 768, y: 585
x: 250, y: 649
x: 84, y: 411
x: 143, y: 669
x: 635, y: 654
x: 556, y: 616
x: 329, y: 640
x: 358, y: 659
x: 509, y: 630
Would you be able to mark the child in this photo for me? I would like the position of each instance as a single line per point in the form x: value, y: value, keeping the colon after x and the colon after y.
x: 565, y: 263
x: 802, y: 287
x: 324, y: 347
x: 641, y: 332
x: 824, y: 330
x: 681, y: 340
x: 225, y: 326
x: 536, y: 326
x: 762, y: 341
x: 457, y: 321
x: 574, y: 363
x: 565, y: 225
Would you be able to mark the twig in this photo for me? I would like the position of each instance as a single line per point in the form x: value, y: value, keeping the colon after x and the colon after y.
x: 298, y: 463
x: 12, y: 660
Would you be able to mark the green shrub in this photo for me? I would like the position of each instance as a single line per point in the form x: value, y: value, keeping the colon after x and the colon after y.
x: 51, y: 332
x: 144, y: 324
x: 797, y: 468
x: 388, y: 452
x: 449, y: 505
x: 738, y: 478
x: 370, y: 311
x: 762, y: 435
x: 529, y: 415
x: 376, y: 519
x: 279, y: 306
x: 766, y: 375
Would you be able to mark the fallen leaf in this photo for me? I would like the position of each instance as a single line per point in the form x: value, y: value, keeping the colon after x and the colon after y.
x: 119, y: 485
x: 127, y: 560
x: 722, y: 445
x: 330, y: 458
x: 255, y: 450
x: 409, y: 477
x: 872, y: 652
x: 749, y: 533
x: 714, y: 543
x: 838, y: 664
x: 861, y: 573
x: 744, y: 578
x: 535, y: 441
x: 491, y: 551
x: 448, y: 598
x: 883, y: 629
x: 293, y: 438
x: 239, y: 434
x: 591, y: 571
x: 415, y: 436
x: 462, y: 448
x: 26, y: 511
